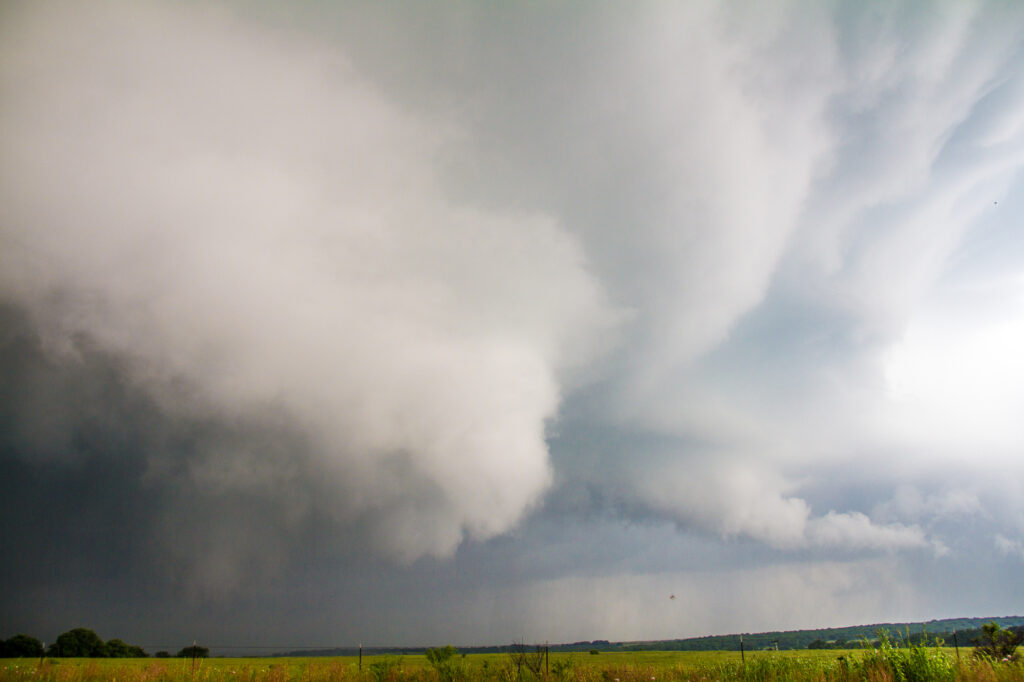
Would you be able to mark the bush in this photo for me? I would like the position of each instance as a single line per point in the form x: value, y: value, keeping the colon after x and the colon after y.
x: 914, y: 663
x: 563, y: 669
x: 447, y: 668
x: 383, y: 670
x: 194, y: 652
x: 997, y: 643
x: 440, y: 655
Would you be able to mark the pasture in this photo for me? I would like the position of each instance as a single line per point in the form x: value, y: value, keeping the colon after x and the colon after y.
x: 823, y: 665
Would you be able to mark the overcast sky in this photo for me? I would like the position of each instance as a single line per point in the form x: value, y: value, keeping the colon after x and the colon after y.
x: 416, y: 323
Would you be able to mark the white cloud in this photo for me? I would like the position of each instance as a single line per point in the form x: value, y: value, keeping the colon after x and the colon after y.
x: 910, y: 503
x: 731, y: 498
x: 742, y: 498
x: 1009, y: 547
x: 889, y: 173
x: 856, y: 531
x: 251, y: 224
x: 727, y: 163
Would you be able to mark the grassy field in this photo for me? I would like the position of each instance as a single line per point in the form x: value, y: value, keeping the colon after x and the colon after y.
x: 824, y: 665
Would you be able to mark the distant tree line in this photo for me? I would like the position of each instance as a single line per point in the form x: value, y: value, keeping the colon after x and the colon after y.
x: 969, y: 631
x: 84, y: 643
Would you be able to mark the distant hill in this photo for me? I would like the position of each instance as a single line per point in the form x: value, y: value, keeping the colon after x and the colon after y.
x: 967, y: 629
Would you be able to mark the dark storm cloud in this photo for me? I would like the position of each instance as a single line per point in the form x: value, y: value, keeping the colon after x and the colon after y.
x: 101, y: 492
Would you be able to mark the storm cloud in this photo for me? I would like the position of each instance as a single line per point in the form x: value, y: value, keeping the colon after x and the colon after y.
x: 451, y: 319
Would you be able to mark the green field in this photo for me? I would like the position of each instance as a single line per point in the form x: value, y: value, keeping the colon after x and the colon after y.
x: 926, y: 664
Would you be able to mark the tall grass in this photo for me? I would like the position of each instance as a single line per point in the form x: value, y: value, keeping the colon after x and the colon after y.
x: 889, y: 662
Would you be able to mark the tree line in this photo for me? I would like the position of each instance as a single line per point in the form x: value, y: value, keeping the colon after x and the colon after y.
x: 84, y: 643
x: 969, y: 631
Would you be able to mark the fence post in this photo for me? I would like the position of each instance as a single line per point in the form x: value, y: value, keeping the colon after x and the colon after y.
x: 956, y: 645
x: 360, y: 658
x: 743, y: 656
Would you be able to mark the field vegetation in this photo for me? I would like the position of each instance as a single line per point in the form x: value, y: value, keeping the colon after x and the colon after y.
x: 897, y: 660
x: 895, y: 664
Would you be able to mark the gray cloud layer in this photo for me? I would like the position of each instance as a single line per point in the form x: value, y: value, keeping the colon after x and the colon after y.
x: 319, y: 297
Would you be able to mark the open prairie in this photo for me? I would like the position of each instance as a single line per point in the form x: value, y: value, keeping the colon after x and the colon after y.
x: 825, y: 665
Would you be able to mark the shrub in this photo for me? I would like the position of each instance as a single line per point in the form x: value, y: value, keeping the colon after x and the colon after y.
x: 382, y: 670
x: 997, y: 643
x: 914, y: 663
x: 440, y: 655
x: 563, y: 668
x: 447, y: 668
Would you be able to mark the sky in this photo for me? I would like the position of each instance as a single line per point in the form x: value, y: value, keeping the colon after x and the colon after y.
x: 407, y: 324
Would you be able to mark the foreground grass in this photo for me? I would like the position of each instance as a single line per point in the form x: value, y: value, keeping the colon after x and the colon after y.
x: 903, y: 665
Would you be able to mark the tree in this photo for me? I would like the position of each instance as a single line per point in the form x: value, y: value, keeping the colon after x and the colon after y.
x: 119, y: 649
x: 997, y: 643
x: 194, y: 652
x: 79, y: 643
x: 21, y: 646
x: 523, y: 655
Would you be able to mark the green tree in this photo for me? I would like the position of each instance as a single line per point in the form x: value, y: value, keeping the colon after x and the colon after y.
x: 119, y: 649
x: 79, y: 643
x: 997, y: 643
x: 21, y: 646
x: 194, y: 652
